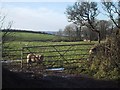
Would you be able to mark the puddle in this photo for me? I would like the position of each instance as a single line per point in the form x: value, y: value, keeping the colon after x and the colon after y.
x: 9, y: 61
x: 55, y: 69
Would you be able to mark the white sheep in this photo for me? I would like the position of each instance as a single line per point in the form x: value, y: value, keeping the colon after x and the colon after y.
x: 34, y: 58
x: 99, y: 50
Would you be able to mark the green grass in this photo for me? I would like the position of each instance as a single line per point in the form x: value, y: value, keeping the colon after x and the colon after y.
x: 52, y: 59
x: 22, y: 39
x: 22, y: 36
x: 19, y: 45
x: 76, y: 66
x: 29, y: 36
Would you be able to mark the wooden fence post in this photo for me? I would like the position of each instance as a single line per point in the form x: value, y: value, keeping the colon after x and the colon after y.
x: 22, y: 58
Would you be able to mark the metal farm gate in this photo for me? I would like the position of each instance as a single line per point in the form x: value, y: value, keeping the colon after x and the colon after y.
x: 57, y: 56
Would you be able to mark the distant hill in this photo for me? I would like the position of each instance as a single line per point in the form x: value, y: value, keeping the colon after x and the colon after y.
x: 25, y: 35
x: 41, y: 32
x: 51, y: 32
x: 27, y: 31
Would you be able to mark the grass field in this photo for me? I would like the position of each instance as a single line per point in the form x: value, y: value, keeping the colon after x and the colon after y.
x: 69, y: 57
x: 58, y: 56
x: 33, y: 37
x: 28, y: 36
x: 72, y: 54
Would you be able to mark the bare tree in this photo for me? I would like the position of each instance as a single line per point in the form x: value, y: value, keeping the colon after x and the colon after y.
x: 113, y: 11
x: 78, y: 32
x: 85, y: 33
x: 5, y: 32
x: 4, y: 28
x: 104, y: 26
x: 72, y: 32
x: 88, y: 34
x: 84, y: 13
x: 60, y: 33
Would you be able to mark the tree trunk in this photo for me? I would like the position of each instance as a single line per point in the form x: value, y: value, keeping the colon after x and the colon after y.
x: 119, y: 15
x: 99, y: 37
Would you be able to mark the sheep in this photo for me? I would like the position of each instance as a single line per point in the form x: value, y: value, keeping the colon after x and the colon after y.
x: 34, y: 58
x: 94, y: 50
x: 99, y: 50
x: 39, y: 59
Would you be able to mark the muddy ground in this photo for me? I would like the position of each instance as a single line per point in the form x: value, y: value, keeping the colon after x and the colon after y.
x: 36, y: 78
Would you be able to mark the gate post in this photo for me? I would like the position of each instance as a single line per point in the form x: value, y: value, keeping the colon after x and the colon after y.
x: 22, y: 58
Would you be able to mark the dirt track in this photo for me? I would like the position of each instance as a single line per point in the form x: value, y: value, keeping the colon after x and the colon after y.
x: 19, y: 80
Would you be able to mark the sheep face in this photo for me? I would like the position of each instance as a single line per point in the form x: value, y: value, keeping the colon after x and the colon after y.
x: 99, y: 51
x: 32, y: 58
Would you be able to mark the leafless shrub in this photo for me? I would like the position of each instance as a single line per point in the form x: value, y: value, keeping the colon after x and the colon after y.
x: 109, y: 50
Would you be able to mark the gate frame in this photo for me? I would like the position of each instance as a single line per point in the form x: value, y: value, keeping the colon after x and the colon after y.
x: 54, y: 46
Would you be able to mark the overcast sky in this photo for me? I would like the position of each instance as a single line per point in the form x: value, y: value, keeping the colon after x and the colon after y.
x: 38, y: 16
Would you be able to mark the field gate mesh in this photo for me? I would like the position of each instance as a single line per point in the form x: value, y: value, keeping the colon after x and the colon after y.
x: 56, y: 56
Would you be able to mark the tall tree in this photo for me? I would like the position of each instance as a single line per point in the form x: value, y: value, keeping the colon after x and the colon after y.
x: 88, y: 34
x: 4, y: 26
x: 85, y: 33
x: 70, y: 32
x: 84, y: 13
x: 104, y: 26
x: 5, y: 33
x: 60, y: 32
x: 113, y: 11
x: 78, y: 32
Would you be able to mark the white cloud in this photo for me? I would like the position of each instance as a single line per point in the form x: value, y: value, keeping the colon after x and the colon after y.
x: 56, y: 0
x: 36, y: 19
x: 38, y: 0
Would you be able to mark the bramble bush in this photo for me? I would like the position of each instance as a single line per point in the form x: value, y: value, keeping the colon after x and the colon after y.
x: 105, y: 63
